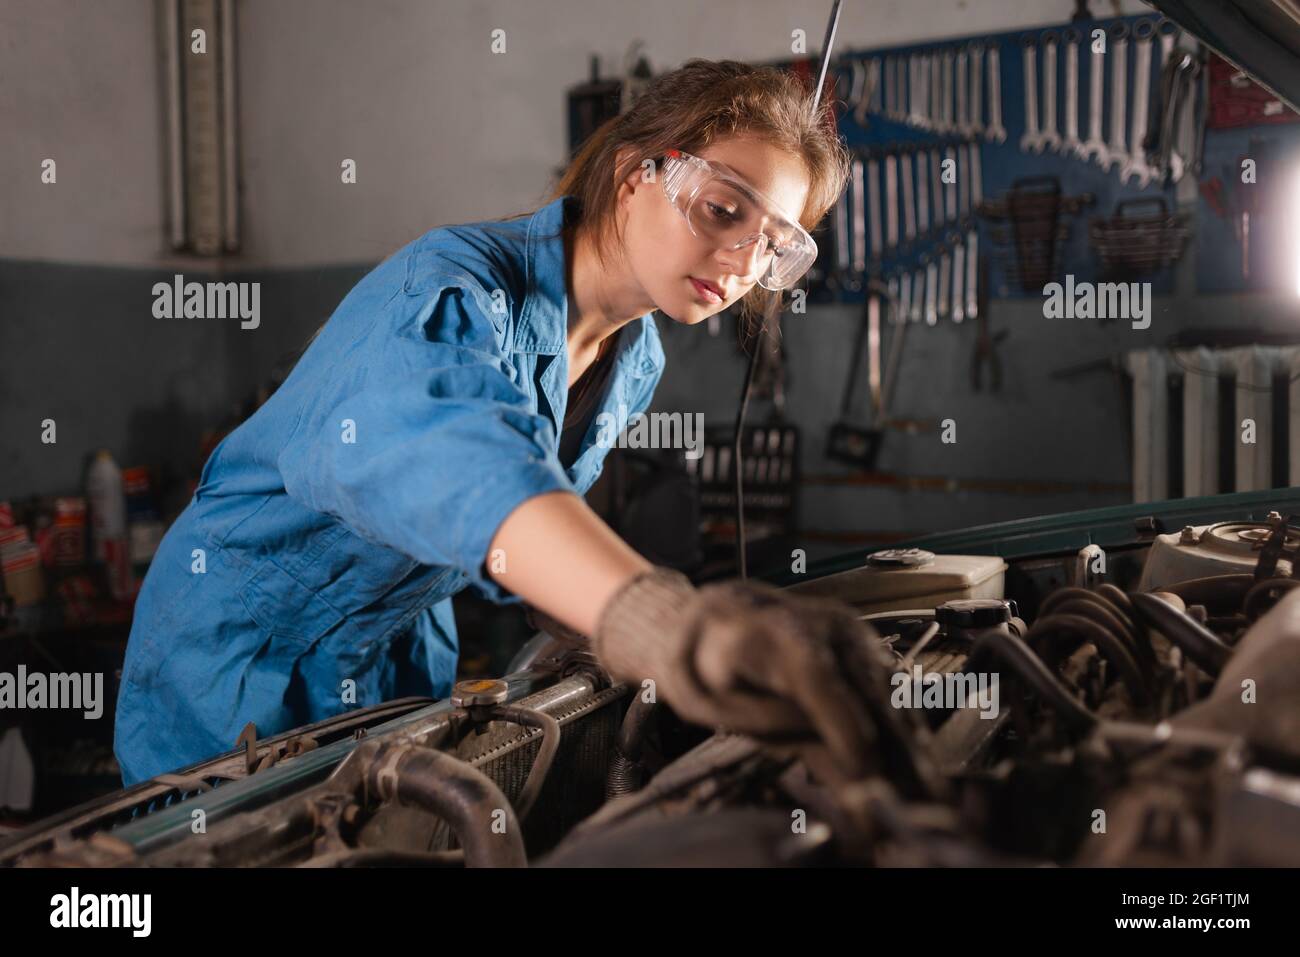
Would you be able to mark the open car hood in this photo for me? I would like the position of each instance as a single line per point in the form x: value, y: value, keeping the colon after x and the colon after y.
x: 1261, y: 37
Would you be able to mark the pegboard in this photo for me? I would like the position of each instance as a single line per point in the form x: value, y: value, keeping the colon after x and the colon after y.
x: 997, y: 164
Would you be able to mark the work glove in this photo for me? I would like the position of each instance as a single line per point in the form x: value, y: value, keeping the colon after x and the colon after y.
x: 791, y: 671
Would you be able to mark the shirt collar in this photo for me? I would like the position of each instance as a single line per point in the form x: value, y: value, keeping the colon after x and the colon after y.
x: 544, y: 319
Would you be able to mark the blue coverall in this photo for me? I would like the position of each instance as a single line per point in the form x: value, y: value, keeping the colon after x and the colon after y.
x: 330, y: 530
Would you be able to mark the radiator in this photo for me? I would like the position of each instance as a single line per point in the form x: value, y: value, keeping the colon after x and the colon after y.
x: 1260, y: 385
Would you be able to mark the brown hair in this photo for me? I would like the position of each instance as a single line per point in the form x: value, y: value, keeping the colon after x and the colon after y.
x: 690, y: 108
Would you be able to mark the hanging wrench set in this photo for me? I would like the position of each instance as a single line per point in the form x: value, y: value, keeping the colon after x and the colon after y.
x: 1113, y: 109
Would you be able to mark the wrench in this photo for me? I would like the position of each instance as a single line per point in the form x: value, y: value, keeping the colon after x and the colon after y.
x: 936, y: 181
x: 931, y: 280
x: 900, y: 81
x: 958, y: 309
x: 1032, y: 140
x: 922, y: 195
x: 974, y: 175
x: 1072, y: 144
x: 873, y: 200
x: 904, y: 298
x: 950, y: 190
x: 963, y: 104
x: 859, y: 222
x: 843, y: 252
x: 1137, y: 162
x: 995, y: 132
x: 1051, y: 139
x: 1116, y: 151
x: 945, y: 90
x: 976, y: 88
x: 913, y: 91
x: 945, y: 265
x: 909, y: 210
x: 972, y: 274
x: 918, y: 296
x: 1095, y: 146
x: 891, y: 203
x: 887, y: 86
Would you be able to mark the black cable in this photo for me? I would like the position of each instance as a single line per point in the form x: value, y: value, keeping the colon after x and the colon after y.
x: 748, y: 388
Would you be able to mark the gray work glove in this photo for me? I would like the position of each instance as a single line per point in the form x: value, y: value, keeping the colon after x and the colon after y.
x: 755, y: 660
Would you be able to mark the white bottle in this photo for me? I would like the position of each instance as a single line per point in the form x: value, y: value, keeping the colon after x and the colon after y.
x: 107, y: 502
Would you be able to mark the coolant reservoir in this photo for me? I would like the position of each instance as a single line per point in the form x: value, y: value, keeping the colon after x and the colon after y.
x: 1201, y: 551
x: 900, y: 578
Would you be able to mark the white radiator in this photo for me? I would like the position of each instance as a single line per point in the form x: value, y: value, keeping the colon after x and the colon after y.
x: 1249, y: 371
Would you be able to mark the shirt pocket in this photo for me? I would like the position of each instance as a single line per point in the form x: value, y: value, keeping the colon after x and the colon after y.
x: 283, y: 605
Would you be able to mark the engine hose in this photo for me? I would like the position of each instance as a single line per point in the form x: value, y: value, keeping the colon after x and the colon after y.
x: 624, y: 774
x: 1107, y: 643
x: 1113, y: 617
x: 1254, y: 604
x: 444, y: 785
x: 550, y: 729
x: 1013, y: 652
x: 1221, y: 592
x: 1197, y: 642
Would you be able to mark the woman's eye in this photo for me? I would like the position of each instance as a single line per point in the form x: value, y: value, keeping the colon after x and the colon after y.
x: 721, y: 212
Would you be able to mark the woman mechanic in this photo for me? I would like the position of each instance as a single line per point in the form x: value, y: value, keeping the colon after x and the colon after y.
x: 439, y: 433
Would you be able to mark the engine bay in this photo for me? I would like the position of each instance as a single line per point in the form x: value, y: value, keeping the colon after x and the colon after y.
x: 1134, y: 705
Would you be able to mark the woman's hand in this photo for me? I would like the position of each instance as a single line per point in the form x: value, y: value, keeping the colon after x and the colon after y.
x: 759, y: 661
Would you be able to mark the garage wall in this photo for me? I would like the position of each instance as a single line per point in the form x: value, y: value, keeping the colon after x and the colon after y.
x: 443, y: 131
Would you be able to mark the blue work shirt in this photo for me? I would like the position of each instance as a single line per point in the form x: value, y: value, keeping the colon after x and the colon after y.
x: 313, y: 569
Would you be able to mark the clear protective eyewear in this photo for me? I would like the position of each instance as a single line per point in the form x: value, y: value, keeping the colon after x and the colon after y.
x: 721, y: 208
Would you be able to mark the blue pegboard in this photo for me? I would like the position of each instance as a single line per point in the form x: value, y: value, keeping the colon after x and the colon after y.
x: 1002, y: 164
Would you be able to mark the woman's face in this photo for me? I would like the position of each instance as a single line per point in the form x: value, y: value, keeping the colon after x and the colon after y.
x: 668, y: 260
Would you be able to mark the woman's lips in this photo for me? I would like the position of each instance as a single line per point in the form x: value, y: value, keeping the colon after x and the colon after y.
x: 705, y: 292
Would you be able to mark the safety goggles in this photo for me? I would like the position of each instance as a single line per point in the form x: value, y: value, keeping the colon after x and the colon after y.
x: 724, y: 210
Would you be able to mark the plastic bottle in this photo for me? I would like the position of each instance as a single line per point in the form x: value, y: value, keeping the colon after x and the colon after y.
x: 108, y: 522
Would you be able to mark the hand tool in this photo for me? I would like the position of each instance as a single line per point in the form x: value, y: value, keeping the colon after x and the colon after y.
x: 922, y: 194
x: 958, y: 308
x: 936, y: 91
x: 871, y: 87
x: 996, y: 132
x: 1137, y: 163
x: 945, y: 74
x: 931, y: 280
x: 945, y: 272
x: 985, y: 353
x: 918, y: 295
x: 1032, y: 140
x: 972, y: 273
x: 950, y: 189
x: 1071, y: 143
x: 1050, y: 138
x: 843, y: 238
x: 1116, y: 151
x: 859, y: 223
x: 873, y: 203
x: 976, y: 88
x: 909, y: 193
x: 963, y: 103
x: 891, y: 203
x: 1095, y: 146
x: 974, y: 175
x: 904, y: 299
x: 936, y: 180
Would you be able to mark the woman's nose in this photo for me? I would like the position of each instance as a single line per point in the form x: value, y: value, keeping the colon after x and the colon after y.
x: 744, y: 261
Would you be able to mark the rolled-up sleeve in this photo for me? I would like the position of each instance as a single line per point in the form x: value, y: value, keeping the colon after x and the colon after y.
x: 432, y: 448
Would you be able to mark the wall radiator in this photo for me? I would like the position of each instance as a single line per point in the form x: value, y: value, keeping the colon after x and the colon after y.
x: 1196, y: 410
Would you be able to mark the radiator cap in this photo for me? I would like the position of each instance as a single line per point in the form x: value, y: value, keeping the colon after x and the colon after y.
x: 900, y: 558
x: 970, y: 613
